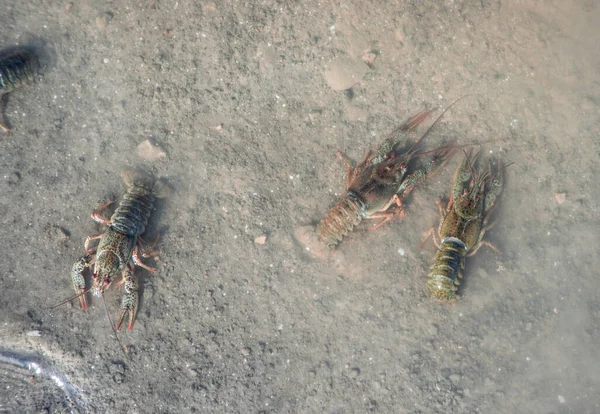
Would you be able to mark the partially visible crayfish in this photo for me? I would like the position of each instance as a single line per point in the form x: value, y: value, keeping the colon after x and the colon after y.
x: 18, y: 66
x: 379, y: 182
x: 463, y: 224
x: 120, y: 245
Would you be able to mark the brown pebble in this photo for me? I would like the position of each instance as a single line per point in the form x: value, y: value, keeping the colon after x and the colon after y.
x: 261, y: 239
x: 209, y: 7
x: 560, y: 197
x: 150, y: 152
x: 369, y: 58
x: 399, y: 35
x: 103, y: 20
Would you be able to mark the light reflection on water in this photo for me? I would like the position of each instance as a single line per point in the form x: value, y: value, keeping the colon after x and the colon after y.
x: 29, y: 383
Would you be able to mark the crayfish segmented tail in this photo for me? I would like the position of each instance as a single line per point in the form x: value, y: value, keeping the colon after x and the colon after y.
x: 341, y: 219
x: 18, y: 67
x: 379, y: 182
x: 463, y: 224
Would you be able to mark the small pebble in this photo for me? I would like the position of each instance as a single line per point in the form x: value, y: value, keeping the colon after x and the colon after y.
x: 210, y: 7
x: 560, y: 197
x: 103, y: 20
x: 399, y: 35
x: 118, y: 377
x: 354, y: 372
x: 369, y: 58
x: 34, y: 333
x: 261, y: 239
x: 561, y: 399
x: 528, y: 326
x: 246, y: 351
x: 401, y: 251
x: 150, y: 152
x: 14, y: 178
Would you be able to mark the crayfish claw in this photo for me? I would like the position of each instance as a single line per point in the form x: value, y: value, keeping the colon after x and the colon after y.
x: 130, y: 299
x: 78, y: 279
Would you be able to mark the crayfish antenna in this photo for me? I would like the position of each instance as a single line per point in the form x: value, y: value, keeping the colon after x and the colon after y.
x: 471, y: 163
x: 414, y: 147
x: 72, y: 297
x: 504, y: 167
x: 441, y: 156
x: 123, y: 349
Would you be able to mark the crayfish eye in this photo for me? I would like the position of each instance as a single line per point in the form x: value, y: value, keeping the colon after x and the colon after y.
x: 403, y: 166
x: 106, y: 282
x: 95, y: 275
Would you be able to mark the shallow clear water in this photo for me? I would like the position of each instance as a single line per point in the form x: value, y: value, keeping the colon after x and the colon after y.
x: 245, y: 101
